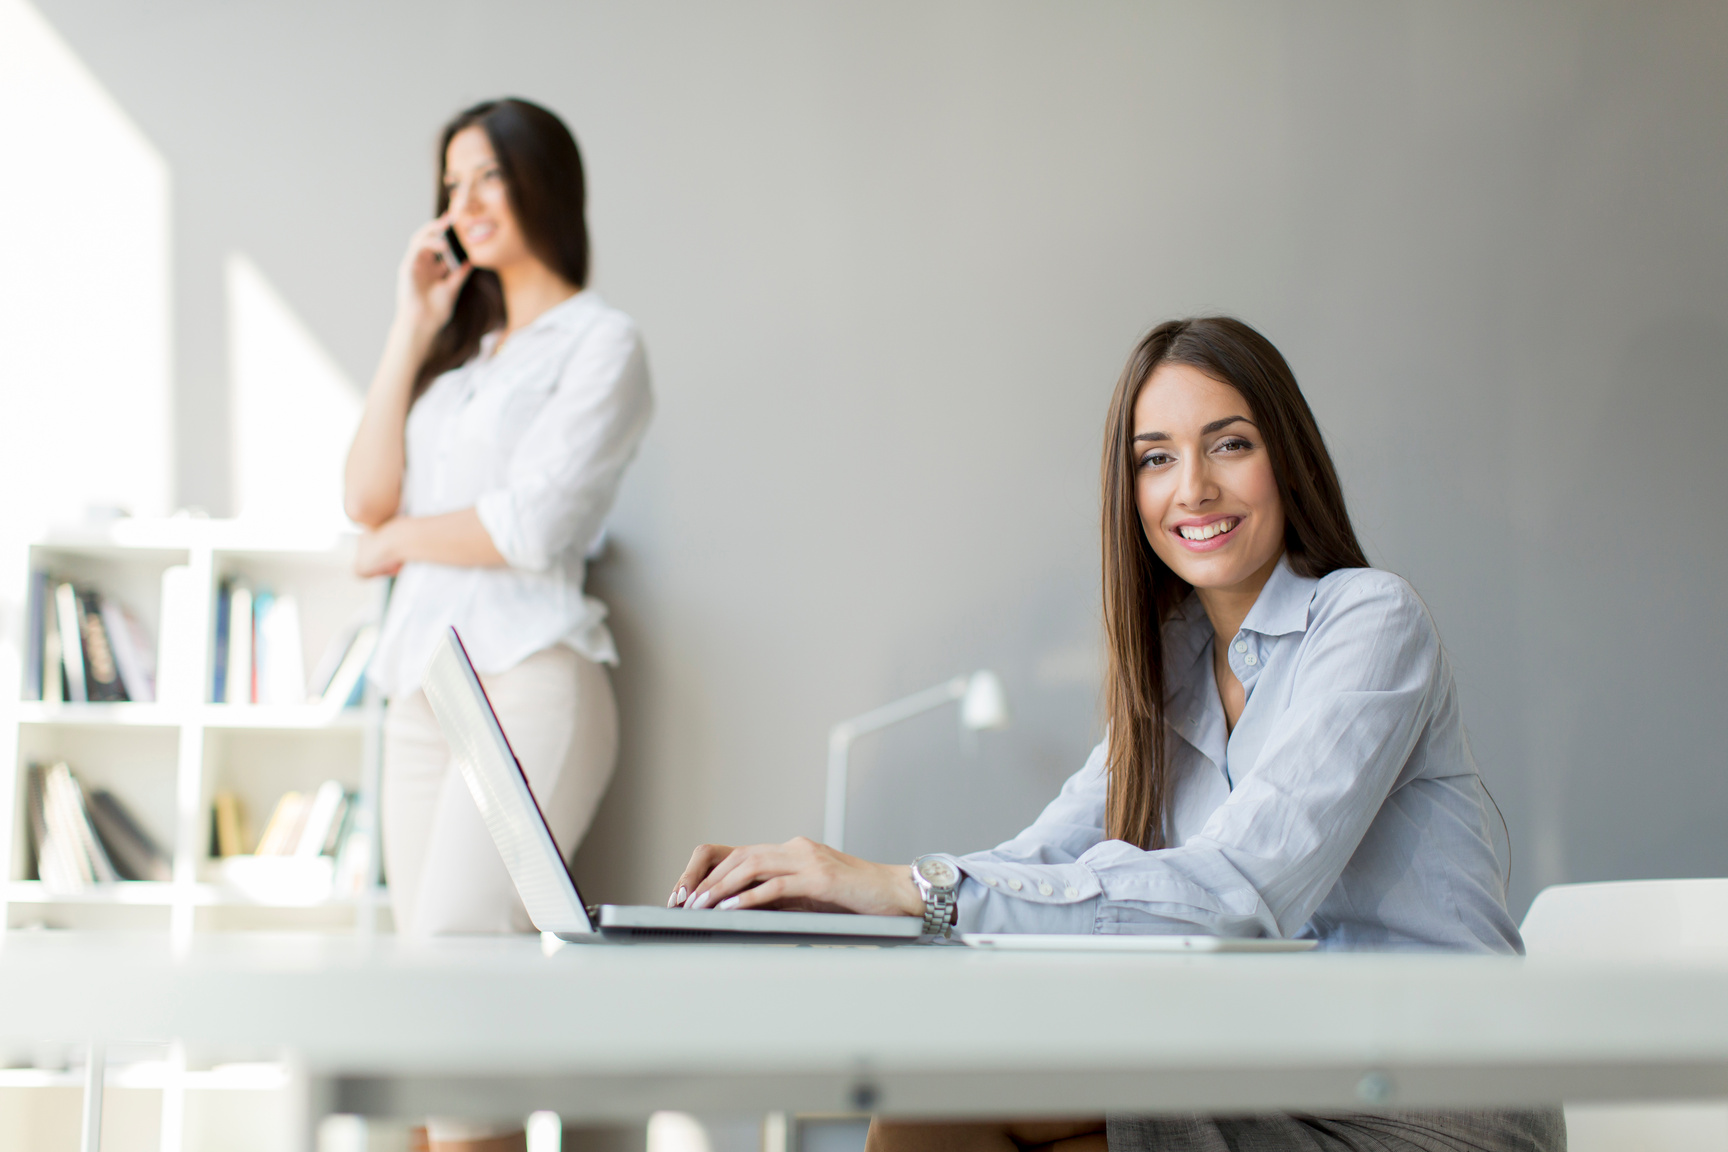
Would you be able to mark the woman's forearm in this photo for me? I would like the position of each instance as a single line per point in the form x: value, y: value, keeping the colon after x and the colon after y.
x: 455, y: 538
x: 373, y: 479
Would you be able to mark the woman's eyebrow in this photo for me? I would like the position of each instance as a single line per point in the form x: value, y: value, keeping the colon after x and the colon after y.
x: 1206, y: 431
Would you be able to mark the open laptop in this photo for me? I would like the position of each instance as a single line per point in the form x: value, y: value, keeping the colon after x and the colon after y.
x: 513, y: 817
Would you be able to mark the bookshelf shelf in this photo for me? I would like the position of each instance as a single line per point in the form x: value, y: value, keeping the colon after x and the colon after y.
x: 102, y: 715
x: 283, y: 718
x: 151, y: 894
x: 145, y: 892
x: 165, y: 760
x: 155, y: 1074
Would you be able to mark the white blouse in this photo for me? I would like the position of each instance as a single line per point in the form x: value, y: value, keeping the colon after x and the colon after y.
x: 535, y: 437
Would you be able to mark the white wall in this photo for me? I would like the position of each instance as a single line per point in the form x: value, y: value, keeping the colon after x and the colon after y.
x: 889, y: 258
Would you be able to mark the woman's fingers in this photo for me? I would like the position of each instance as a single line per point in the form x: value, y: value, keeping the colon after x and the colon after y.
x: 747, y: 867
x: 767, y: 894
x: 707, y: 893
x: 702, y: 862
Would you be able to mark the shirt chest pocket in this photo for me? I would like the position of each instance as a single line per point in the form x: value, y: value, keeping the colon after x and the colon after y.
x: 494, y: 421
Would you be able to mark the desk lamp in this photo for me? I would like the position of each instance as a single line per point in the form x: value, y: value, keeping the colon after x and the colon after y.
x: 983, y: 704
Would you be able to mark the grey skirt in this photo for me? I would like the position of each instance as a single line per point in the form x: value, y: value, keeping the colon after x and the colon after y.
x: 1487, y: 1130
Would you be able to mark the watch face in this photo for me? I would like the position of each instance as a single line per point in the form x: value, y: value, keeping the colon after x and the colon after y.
x: 937, y: 872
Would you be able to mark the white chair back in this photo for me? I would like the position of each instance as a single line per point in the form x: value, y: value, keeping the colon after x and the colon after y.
x: 1645, y: 919
x: 1657, y: 919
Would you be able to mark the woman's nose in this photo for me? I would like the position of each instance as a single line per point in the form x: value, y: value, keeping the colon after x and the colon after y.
x: 1194, y: 485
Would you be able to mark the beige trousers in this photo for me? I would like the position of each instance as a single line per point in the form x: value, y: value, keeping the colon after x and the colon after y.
x: 444, y: 872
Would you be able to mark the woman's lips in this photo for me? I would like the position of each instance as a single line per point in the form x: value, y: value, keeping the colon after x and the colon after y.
x: 1208, y: 536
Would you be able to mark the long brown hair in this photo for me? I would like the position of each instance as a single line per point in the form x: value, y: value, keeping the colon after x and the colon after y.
x: 542, y: 170
x: 1140, y: 591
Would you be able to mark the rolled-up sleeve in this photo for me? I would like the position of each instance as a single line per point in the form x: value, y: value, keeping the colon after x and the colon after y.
x: 1261, y: 865
x: 563, y: 476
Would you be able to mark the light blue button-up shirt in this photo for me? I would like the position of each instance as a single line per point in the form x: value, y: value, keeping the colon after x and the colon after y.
x: 1345, y: 805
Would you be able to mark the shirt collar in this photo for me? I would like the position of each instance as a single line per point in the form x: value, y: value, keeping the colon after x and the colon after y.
x: 562, y: 316
x: 1282, y: 606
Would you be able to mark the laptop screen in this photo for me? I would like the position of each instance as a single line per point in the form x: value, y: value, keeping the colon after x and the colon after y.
x: 501, y: 790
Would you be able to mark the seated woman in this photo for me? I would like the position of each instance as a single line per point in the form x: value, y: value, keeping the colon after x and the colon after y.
x: 1285, y: 753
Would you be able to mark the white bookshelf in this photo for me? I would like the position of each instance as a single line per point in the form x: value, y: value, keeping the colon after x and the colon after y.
x: 166, y: 760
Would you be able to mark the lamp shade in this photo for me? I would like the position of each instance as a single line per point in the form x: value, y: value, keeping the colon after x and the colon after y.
x: 985, y: 704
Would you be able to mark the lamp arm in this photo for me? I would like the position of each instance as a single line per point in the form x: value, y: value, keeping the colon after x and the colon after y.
x: 840, y: 739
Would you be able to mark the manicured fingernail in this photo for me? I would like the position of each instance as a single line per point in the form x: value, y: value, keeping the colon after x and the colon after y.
x: 701, y: 901
x: 683, y: 895
x: 672, y: 900
x: 729, y: 902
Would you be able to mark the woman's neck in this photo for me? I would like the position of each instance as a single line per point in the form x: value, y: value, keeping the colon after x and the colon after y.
x: 530, y: 288
x: 1228, y: 607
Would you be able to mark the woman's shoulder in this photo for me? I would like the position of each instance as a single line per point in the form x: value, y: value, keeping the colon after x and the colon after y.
x: 593, y: 318
x: 1369, y: 594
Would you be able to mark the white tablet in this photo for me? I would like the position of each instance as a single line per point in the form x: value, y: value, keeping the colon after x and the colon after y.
x: 1031, y: 942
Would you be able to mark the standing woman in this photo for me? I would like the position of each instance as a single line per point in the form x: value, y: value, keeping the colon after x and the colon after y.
x: 508, y: 401
x: 1285, y: 757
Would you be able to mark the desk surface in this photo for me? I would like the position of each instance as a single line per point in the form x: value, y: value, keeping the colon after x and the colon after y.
x: 504, y: 1024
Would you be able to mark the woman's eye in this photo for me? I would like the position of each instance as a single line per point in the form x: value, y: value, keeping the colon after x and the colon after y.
x: 1233, y: 444
x: 1155, y: 459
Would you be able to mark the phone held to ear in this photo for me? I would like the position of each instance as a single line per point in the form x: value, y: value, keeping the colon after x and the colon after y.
x: 458, y: 255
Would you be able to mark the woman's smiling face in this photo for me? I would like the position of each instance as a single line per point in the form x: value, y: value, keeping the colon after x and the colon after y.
x: 480, y: 203
x: 1207, y: 498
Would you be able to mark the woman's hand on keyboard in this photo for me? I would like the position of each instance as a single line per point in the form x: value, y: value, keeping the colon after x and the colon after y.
x: 799, y: 874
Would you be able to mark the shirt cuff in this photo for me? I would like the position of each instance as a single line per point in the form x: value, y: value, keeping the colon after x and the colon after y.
x: 1060, y: 899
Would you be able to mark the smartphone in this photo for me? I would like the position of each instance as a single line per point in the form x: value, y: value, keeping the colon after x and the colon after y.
x: 457, y: 252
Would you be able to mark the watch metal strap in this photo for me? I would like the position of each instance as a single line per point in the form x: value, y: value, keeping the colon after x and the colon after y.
x: 938, y: 912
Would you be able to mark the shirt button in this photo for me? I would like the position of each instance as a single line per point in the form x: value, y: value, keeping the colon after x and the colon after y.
x: 992, y: 881
x: 1241, y: 645
x: 1044, y: 888
x: 1016, y: 885
x: 1071, y: 892
x: 1250, y: 660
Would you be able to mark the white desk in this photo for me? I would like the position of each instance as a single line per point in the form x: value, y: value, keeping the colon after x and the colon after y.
x: 500, y: 1027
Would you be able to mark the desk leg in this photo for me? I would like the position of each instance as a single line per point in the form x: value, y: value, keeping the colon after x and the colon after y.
x: 312, y: 1097
x: 95, y: 1074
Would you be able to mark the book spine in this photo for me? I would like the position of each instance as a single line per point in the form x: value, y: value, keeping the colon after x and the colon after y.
x: 132, y: 659
x: 71, y: 645
x: 240, y: 646
x: 101, y: 672
x: 219, y: 658
x: 34, y: 662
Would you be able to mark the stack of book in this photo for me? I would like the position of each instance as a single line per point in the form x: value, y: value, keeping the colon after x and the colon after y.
x: 304, y: 827
x: 78, y: 842
x: 85, y: 647
x: 259, y: 658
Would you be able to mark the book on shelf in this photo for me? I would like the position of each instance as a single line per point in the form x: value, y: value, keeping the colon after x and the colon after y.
x: 323, y: 813
x: 259, y: 657
x: 134, y: 655
x: 238, y: 689
x: 84, y: 646
x: 338, y: 681
x: 228, y: 825
x: 101, y: 673
x: 78, y: 842
x: 280, y: 656
x: 304, y: 824
x: 36, y: 640
x: 134, y: 853
x: 282, y: 831
x: 71, y: 644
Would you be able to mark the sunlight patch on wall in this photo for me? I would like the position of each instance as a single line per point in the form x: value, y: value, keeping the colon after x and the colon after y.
x: 84, y: 304
x: 294, y: 411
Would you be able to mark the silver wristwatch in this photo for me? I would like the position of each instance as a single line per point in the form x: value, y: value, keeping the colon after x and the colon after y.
x: 938, y: 882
